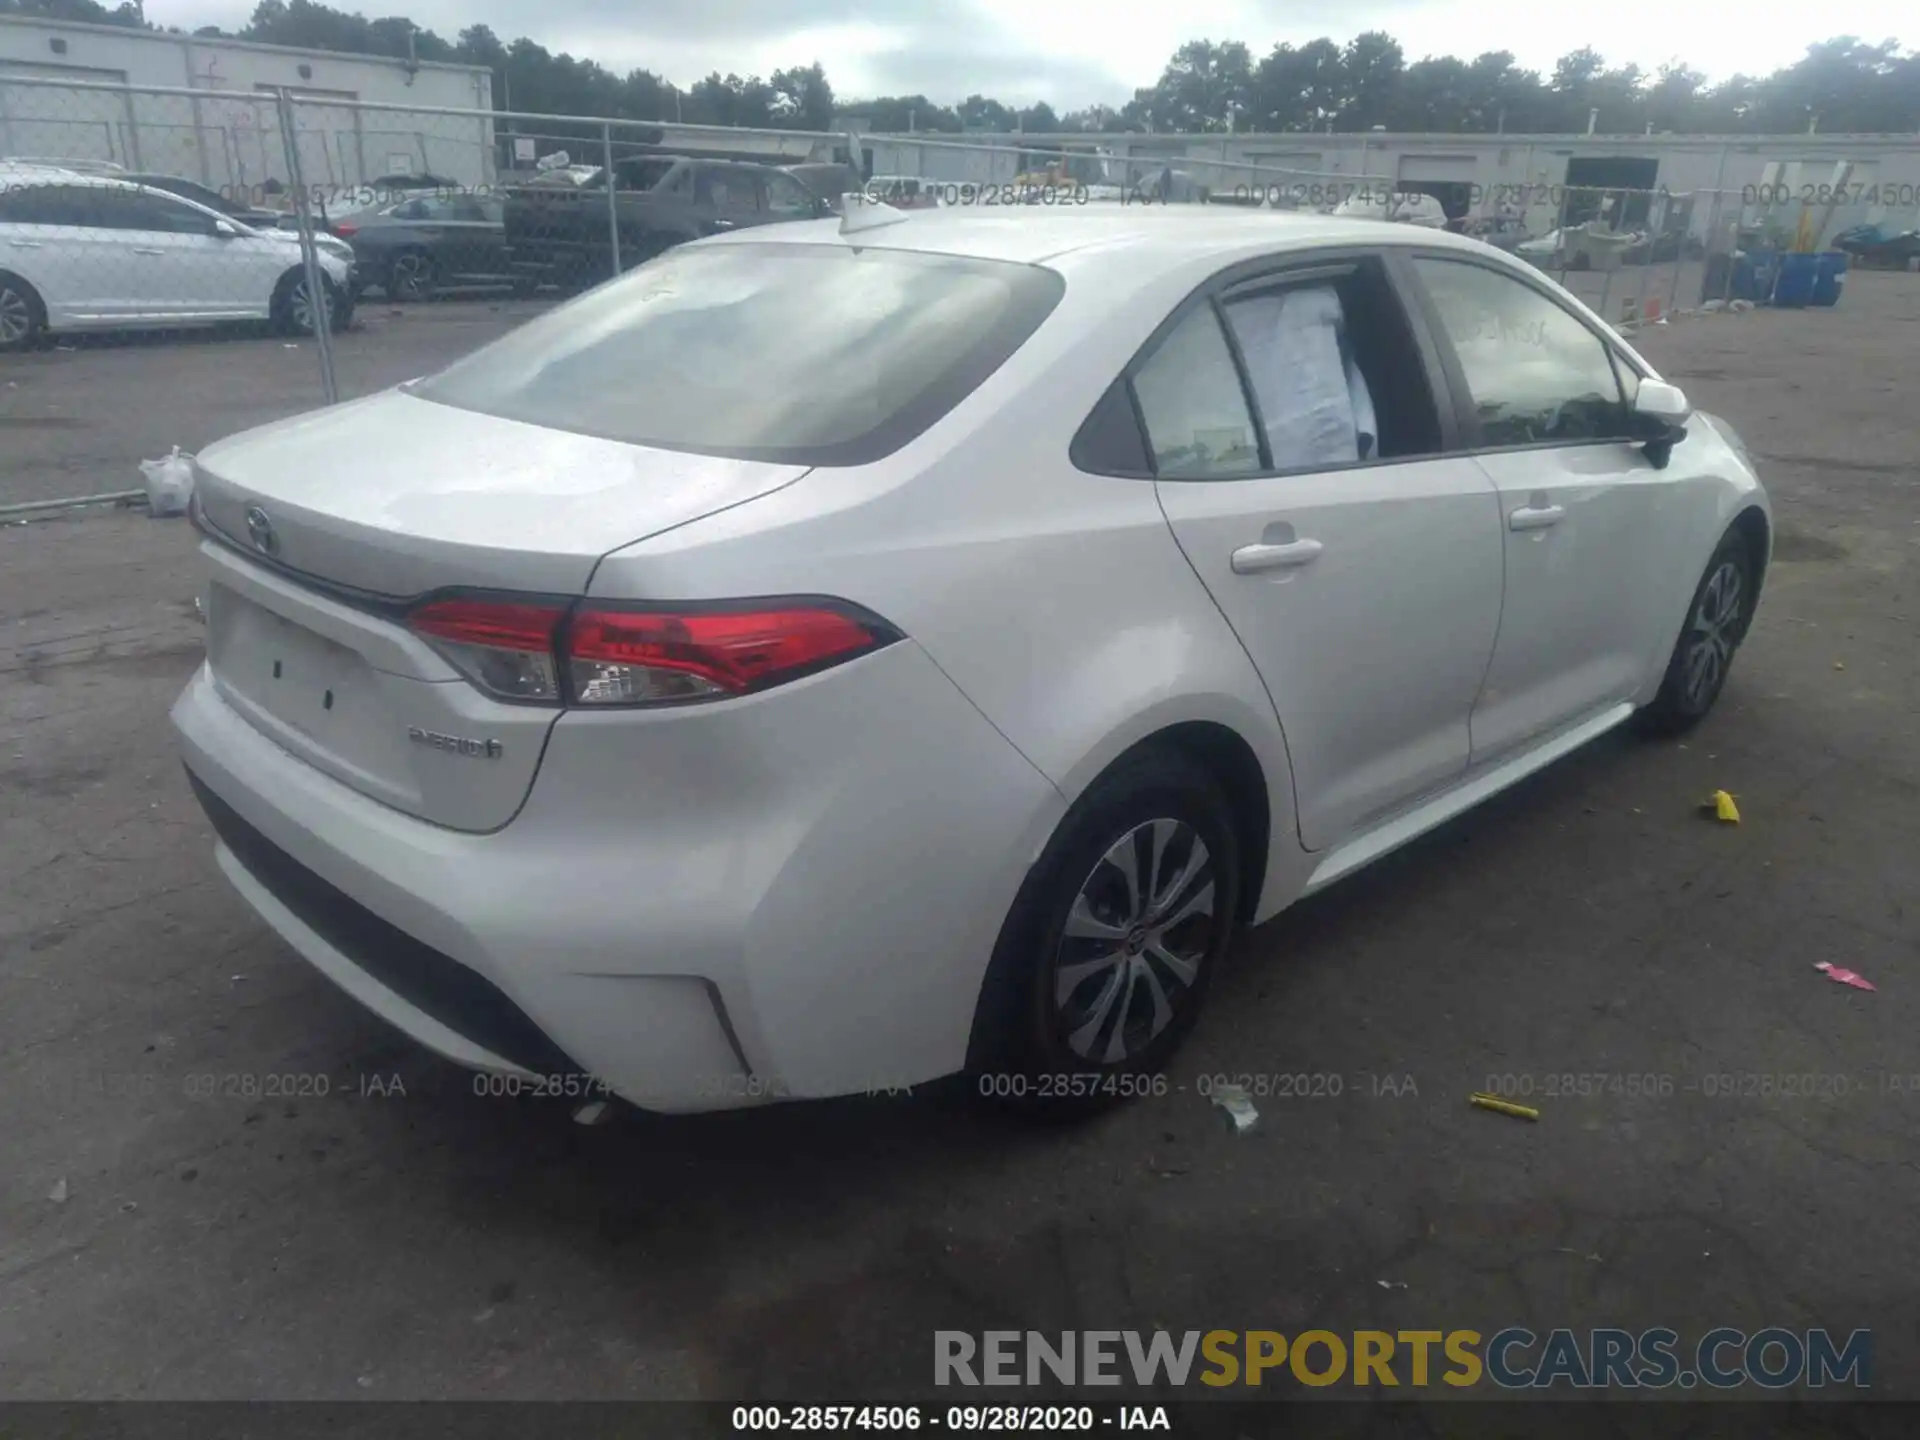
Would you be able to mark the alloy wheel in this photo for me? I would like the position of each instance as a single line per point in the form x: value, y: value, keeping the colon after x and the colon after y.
x: 1714, y: 633
x: 16, y: 316
x: 300, y: 306
x: 412, y: 277
x: 1135, y: 938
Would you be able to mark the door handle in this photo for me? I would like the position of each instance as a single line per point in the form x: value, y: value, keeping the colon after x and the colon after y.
x: 24, y: 244
x: 1536, y: 517
x: 139, y: 250
x: 1253, y: 559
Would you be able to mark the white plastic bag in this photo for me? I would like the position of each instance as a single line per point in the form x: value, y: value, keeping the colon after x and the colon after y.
x: 169, y: 483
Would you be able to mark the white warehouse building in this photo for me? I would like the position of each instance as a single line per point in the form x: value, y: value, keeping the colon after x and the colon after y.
x: 1470, y: 174
x: 205, y: 108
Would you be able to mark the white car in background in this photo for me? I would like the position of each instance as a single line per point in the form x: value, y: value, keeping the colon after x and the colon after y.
x: 1403, y: 207
x: 89, y: 252
x: 827, y: 659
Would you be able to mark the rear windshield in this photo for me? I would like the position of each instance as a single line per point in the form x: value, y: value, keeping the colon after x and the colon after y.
x: 799, y: 354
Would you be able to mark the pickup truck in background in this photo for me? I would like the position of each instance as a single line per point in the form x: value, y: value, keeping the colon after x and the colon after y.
x: 557, y: 230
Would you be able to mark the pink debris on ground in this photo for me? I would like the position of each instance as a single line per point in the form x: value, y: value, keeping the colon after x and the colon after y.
x: 1844, y: 977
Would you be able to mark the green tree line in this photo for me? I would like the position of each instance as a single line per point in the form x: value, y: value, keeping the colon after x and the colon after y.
x: 1844, y: 84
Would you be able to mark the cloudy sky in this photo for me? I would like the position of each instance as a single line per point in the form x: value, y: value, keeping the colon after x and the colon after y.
x: 1076, y: 52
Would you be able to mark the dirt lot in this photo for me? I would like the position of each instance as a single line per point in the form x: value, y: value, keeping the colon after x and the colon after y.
x: 77, y: 420
x: 425, y: 1244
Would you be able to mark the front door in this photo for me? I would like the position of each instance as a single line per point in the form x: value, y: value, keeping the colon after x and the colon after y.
x: 176, y: 263
x: 1590, y: 524
x: 1303, y: 464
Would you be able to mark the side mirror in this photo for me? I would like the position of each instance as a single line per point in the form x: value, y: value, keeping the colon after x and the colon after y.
x: 226, y: 230
x: 1660, y: 414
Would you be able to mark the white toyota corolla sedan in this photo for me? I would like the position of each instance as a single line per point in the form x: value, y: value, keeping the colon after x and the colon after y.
x: 832, y: 657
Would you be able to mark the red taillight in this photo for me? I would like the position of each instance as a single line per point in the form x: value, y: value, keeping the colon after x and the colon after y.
x: 345, y: 231
x: 503, y: 646
x: 628, y: 657
x: 520, y: 649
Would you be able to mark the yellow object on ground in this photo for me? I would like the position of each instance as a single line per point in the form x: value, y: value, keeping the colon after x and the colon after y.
x: 1504, y: 1107
x: 1724, y: 809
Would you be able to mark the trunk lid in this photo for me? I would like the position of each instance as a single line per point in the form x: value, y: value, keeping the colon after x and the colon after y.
x: 370, y: 504
x: 397, y: 496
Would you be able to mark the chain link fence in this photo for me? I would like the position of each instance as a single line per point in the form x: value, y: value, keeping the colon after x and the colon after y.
x: 164, y: 213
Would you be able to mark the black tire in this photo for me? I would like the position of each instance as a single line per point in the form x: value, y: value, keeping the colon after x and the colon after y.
x: 411, y: 276
x: 23, y: 317
x: 286, y: 308
x: 1045, y: 1044
x: 1710, y: 636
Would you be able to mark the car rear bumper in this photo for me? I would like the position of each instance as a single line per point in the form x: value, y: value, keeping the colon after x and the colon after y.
x: 699, y: 910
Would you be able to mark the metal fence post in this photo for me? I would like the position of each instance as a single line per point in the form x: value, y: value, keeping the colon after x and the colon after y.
x: 1706, y: 254
x: 319, y: 302
x: 613, y: 206
x: 1733, y: 252
x: 1560, y: 234
x: 1646, y: 261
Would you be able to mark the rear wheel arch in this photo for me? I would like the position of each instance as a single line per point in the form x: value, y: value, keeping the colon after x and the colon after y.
x: 1226, y: 757
x: 1219, y: 754
x: 1167, y: 764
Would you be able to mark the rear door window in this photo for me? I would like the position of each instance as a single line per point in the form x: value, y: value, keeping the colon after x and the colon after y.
x: 47, y: 204
x: 1336, y: 373
x: 801, y: 354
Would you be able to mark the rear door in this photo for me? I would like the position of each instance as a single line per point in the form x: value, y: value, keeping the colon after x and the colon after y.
x: 52, y: 238
x: 31, y: 235
x: 1311, y: 476
x: 1590, y: 526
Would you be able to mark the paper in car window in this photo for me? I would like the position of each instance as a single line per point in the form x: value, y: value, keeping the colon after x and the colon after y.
x: 1291, y: 341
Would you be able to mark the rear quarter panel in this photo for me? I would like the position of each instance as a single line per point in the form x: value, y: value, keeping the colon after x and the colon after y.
x: 1057, y: 601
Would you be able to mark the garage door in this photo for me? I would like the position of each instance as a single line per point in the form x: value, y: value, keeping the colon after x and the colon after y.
x: 43, y: 122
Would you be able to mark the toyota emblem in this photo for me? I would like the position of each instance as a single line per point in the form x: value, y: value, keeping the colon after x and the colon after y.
x: 260, y: 531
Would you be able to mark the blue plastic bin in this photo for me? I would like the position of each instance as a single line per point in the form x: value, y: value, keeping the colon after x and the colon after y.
x: 1829, y: 277
x: 1794, y: 289
x: 1753, y: 275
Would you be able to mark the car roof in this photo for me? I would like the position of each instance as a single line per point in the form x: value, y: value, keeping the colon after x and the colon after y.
x: 49, y: 175
x: 66, y: 179
x: 1034, y: 234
